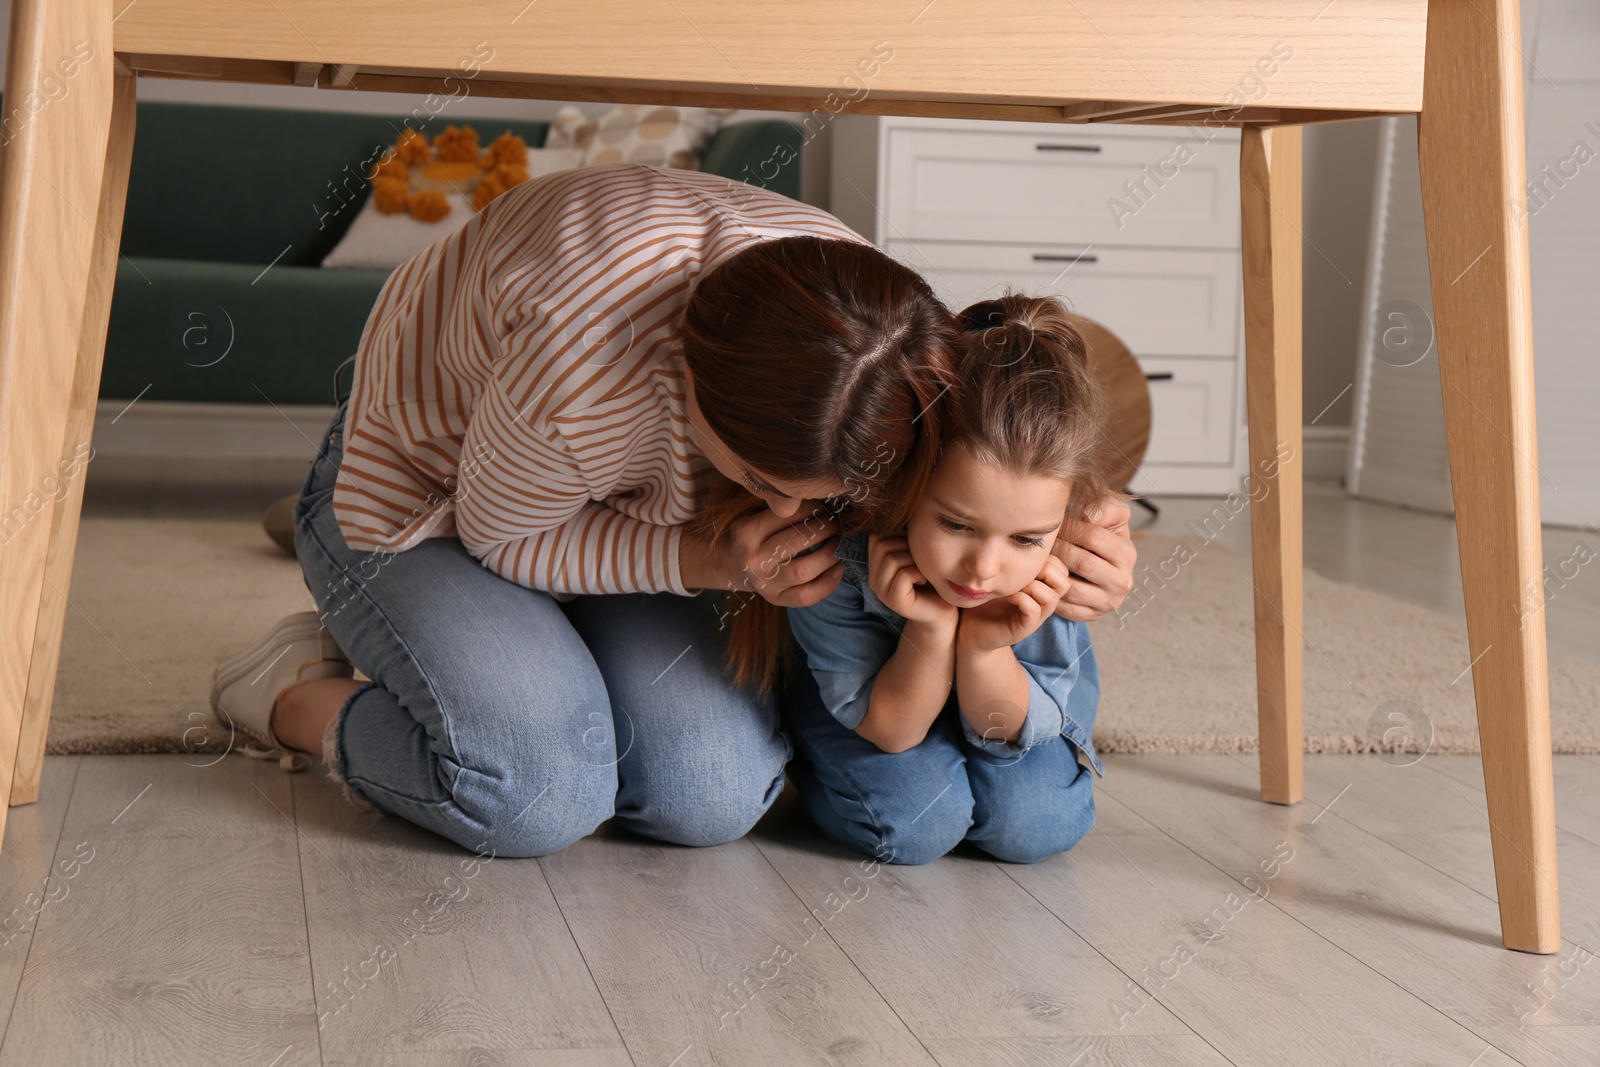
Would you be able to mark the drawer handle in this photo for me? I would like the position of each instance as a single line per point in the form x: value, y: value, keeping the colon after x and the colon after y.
x: 1067, y: 147
x: 1159, y: 376
x: 1048, y: 257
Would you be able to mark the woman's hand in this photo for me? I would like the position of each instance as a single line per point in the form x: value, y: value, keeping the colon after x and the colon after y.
x: 1003, y: 621
x: 901, y: 586
x: 1100, y: 555
x: 761, y: 553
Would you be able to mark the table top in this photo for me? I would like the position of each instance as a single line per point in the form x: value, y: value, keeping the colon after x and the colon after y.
x: 1078, y: 61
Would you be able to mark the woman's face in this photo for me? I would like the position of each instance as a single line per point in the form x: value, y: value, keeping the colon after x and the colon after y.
x: 785, y: 498
x: 980, y: 532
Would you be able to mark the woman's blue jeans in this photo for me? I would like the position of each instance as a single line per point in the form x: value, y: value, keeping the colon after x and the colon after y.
x: 916, y: 805
x: 513, y: 724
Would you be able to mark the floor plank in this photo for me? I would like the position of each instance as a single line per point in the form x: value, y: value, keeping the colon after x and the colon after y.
x: 1466, y: 856
x: 1427, y: 932
x: 1549, y: 1046
x: 480, y: 1057
x: 1577, y: 790
x: 170, y: 950
x: 190, y: 796
x: 182, y: 936
x: 1389, y: 798
x: 196, y: 910
x: 1112, y: 816
x: 1021, y: 973
x: 705, y: 956
x: 1258, y: 986
x: 29, y: 880
x: 421, y: 946
x: 1076, y: 1051
x: 1439, y: 819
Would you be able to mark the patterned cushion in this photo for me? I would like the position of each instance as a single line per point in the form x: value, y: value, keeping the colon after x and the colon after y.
x: 638, y: 133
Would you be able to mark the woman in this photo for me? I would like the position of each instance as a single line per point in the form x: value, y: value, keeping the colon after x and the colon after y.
x: 498, y: 528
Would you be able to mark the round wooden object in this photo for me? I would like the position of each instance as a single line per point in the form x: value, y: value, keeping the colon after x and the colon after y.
x: 1116, y: 369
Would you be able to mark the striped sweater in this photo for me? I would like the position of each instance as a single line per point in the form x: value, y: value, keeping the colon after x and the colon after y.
x: 519, y: 384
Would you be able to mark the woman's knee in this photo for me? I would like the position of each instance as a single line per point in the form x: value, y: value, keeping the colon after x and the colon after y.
x: 708, y: 801
x: 513, y: 824
x: 543, y: 785
x: 525, y: 842
x: 699, y: 825
x: 707, y: 778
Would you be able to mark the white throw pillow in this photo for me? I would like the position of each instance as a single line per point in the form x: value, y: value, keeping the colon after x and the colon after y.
x: 376, y: 241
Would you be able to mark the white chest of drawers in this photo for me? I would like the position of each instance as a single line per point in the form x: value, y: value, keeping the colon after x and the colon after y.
x: 1136, y: 227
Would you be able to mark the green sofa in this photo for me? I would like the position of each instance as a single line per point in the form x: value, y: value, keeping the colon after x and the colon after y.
x: 217, y: 193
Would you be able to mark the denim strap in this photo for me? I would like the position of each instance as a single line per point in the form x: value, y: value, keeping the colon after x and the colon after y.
x: 337, y: 399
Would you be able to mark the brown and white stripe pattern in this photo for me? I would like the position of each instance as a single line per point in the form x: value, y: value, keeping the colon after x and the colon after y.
x: 520, y: 383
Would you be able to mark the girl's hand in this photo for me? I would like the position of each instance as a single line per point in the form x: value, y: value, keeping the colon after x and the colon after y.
x: 1004, y: 621
x: 1101, y: 555
x: 761, y: 554
x: 895, y: 578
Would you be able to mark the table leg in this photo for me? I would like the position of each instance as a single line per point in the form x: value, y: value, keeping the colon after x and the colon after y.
x: 51, y: 169
x: 1471, y: 150
x: 76, y: 451
x: 1269, y: 187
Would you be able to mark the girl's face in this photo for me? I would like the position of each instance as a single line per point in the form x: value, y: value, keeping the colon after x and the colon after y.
x: 981, y: 532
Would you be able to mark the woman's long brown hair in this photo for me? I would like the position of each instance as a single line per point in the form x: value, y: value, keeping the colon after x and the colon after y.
x: 816, y: 360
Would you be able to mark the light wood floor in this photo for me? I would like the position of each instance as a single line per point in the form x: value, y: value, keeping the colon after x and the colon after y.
x: 159, y: 911
x: 186, y: 914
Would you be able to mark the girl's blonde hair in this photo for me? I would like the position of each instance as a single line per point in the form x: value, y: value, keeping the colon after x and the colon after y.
x: 1028, y: 402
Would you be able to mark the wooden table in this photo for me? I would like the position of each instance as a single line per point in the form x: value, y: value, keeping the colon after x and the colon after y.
x: 1268, y: 67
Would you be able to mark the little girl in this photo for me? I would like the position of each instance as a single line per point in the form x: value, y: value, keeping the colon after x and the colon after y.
x: 945, y: 700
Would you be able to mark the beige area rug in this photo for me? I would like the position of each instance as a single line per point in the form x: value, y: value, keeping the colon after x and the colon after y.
x: 1178, y: 669
x: 156, y: 603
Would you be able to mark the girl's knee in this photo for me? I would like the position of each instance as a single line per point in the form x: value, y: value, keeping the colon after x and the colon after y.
x: 1042, y: 831
x: 908, y: 808
x: 916, y: 849
x: 1018, y: 848
x: 928, y: 836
